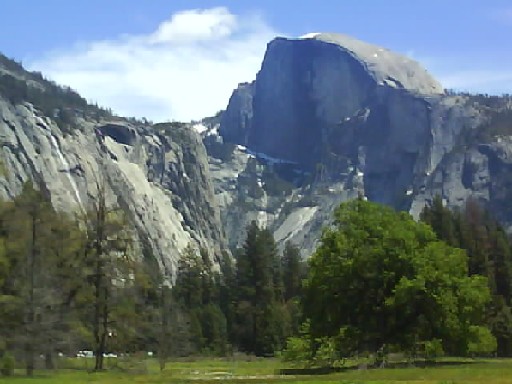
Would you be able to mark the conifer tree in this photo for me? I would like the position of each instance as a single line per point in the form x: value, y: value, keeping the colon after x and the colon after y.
x: 41, y: 248
x: 260, y: 317
x: 292, y: 271
x: 29, y: 237
x: 197, y: 292
x: 489, y: 254
x: 107, y: 254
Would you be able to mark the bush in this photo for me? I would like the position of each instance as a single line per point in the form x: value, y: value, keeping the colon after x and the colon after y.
x: 433, y: 349
x: 327, y: 354
x: 482, y: 342
x: 7, y: 365
x: 298, y: 351
x: 321, y: 352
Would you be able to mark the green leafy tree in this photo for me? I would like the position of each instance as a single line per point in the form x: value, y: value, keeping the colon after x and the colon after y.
x: 489, y: 254
x: 386, y: 280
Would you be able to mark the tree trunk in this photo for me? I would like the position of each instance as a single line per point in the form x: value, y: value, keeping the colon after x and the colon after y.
x: 162, y: 344
x: 104, y: 328
x: 97, y: 318
x: 98, y: 366
x: 48, y: 360
x: 29, y: 358
x: 29, y: 344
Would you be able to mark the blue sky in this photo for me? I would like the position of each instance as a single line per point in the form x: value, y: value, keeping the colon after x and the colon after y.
x: 179, y: 60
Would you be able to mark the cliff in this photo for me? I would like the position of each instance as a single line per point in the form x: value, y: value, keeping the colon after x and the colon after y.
x: 356, y: 119
x: 158, y: 174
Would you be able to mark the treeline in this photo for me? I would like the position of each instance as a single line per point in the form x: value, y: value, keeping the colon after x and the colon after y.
x: 72, y: 283
x: 489, y: 252
x: 66, y: 282
x: 249, y: 305
x: 484, y: 99
x: 378, y: 283
x: 381, y: 283
x: 62, y: 104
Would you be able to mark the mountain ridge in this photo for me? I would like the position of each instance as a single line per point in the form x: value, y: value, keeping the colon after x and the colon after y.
x: 387, y: 67
x: 144, y: 169
x: 316, y: 127
x: 316, y: 105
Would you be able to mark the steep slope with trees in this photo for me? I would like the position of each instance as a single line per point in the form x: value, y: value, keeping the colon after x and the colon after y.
x: 157, y: 174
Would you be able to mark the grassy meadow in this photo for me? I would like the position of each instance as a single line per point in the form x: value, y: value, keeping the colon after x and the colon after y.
x: 495, y: 371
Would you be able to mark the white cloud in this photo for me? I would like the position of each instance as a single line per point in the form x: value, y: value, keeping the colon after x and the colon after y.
x: 195, y: 25
x: 186, y: 69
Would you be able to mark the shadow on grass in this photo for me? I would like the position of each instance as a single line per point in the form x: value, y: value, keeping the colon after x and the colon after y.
x: 392, y: 365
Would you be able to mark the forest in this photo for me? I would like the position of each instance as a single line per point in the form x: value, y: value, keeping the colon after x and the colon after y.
x: 378, y: 283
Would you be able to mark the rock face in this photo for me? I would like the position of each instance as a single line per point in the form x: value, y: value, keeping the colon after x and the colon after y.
x: 328, y: 119
x: 352, y: 119
x: 158, y: 175
x: 483, y: 172
x: 309, y: 86
x: 239, y: 116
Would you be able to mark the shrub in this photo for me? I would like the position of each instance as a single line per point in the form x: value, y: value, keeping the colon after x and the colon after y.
x: 7, y: 365
x: 482, y: 342
x: 298, y: 351
x: 433, y: 349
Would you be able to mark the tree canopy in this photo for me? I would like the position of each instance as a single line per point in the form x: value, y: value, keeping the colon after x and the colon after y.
x: 489, y: 254
x: 379, y: 278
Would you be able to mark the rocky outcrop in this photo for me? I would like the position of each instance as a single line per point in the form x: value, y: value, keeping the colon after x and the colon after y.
x: 239, y: 116
x: 158, y: 175
x: 307, y: 87
x: 482, y: 172
x: 328, y: 118
x: 354, y: 119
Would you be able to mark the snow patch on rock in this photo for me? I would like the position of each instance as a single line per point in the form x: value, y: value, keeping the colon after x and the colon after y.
x: 310, y: 35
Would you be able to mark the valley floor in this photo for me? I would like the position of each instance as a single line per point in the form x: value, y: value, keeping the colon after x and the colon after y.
x: 495, y: 371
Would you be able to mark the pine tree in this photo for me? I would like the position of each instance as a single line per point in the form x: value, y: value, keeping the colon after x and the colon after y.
x: 441, y: 220
x: 107, y: 253
x: 29, y: 236
x: 292, y: 271
x: 197, y: 292
x: 7, y: 297
x: 260, y: 321
x: 489, y: 254
x: 226, y: 283
x: 41, y: 247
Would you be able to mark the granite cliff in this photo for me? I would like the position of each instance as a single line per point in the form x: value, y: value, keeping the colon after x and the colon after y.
x: 347, y: 119
x: 157, y: 174
x: 328, y: 118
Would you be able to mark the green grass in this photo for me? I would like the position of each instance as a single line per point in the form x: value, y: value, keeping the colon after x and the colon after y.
x: 496, y: 371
